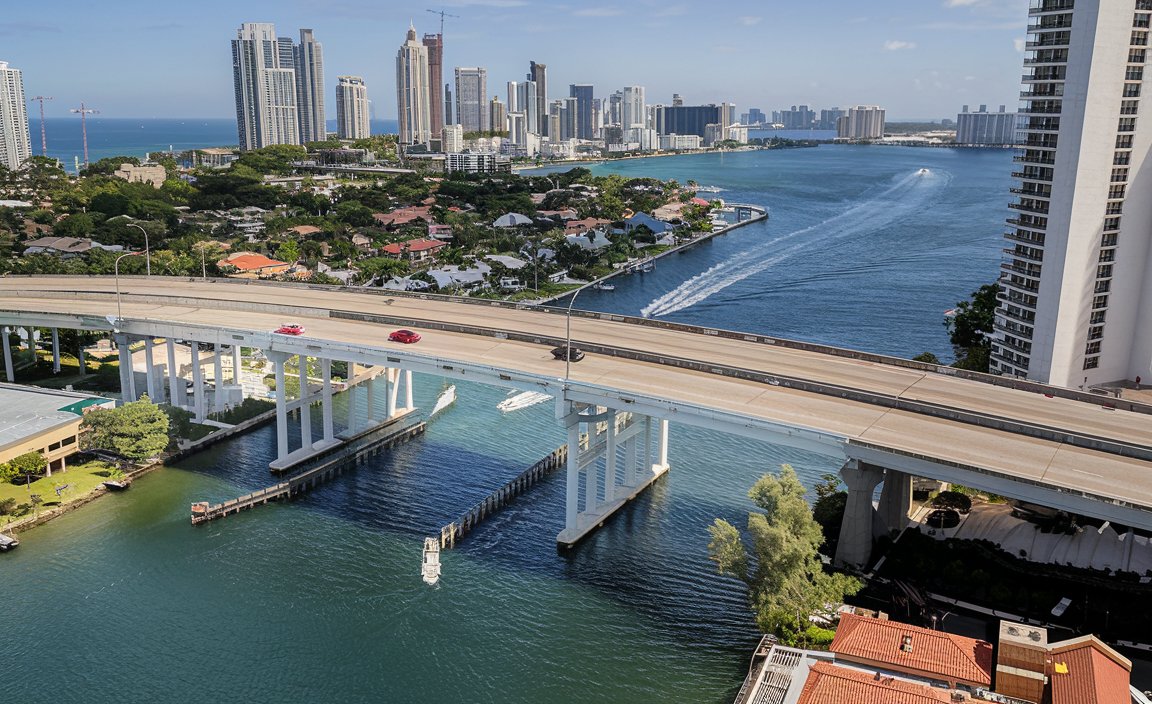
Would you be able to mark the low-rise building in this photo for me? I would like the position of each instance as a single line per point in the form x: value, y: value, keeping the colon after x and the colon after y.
x: 66, y: 247
x: 252, y: 265
x: 44, y: 421
x: 415, y: 251
x: 477, y: 163
x: 152, y: 174
x: 680, y: 142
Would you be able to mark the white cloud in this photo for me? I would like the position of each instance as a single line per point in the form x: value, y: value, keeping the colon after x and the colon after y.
x: 1019, y: 43
x: 749, y: 20
x: 897, y: 45
x: 962, y: 3
x: 598, y: 12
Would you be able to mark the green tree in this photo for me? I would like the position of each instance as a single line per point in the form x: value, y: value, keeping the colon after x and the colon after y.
x: 288, y: 251
x: 136, y: 430
x: 785, y: 578
x: 26, y: 467
x: 927, y: 358
x: 970, y: 327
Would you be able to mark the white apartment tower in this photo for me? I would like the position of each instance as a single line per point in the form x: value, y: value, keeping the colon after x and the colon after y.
x: 308, y: 58
x: 860, y: 122
x: 632, y: 113
x: 14, y: 145
x: 413, y: 110
x: 352, y: 108
x: 472, y: 107
x: 1076, y: 286
x: 265, y: 88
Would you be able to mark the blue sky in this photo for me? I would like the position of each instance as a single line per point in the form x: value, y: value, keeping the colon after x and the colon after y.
x: 917, y: 58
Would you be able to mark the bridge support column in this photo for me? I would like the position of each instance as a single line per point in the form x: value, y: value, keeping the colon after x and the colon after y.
x: 596, y: 437
x: 127, y: 376
x: 9, y: 370
x: 370, y: 385
x: 218, y: 378
x: 198, y: 403
x: 895, y: 502
x: 305, y: 407
x: 855, y: 545
x: 236, y: 366
x: 149, y: 371
x: 392, y: 389
x: 409, y: 405
x: 326, y: 407
x: 55, y: 351
x: 278, y: 359
x: 175, y: 383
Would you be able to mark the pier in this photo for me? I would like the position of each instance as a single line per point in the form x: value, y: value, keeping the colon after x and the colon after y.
x: 321, y: 468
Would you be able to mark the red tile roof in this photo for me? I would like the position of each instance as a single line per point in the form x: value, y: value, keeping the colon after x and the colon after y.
x: 832, y: 684
x: 932, y: 653
x: 250, y: 261
x: 412, y: 246
x: 1086, y: 671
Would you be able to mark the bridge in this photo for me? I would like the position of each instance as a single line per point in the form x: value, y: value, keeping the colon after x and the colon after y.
x: 887, y: 419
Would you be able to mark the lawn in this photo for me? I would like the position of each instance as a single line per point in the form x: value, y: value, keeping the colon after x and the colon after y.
x: 81, y: 480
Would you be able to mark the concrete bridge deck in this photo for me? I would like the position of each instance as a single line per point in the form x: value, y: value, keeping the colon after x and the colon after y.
x: 1064, y: 442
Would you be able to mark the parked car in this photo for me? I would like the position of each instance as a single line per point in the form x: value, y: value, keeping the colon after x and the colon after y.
x: 405, y: 336
x: 290, y: 329
x: 575, y: 355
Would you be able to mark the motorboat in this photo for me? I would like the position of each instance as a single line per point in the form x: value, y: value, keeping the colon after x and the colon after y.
x: 604, y: 286
x: 523, y: 400
x: 430, y: 567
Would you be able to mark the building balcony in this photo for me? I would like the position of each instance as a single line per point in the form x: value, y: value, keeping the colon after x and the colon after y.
x: 1043, y: 158
x: 1032, y: 176
x: 1029, y: 321
x: 1032, y: 192
x: 1039, y: 142
x: 1012, y: 328
x: 1041, y: 109
x: 1014, y: 345
x: 1039, y: 7
x: 1048, y: 24
x: 1009, y: 282
x: 1014, y: 253
x: 1032, y: 271
x: 1031, y: 239
x: 1052, y: 92
x: 1041, y: 208
x: 1016, y: 368
x: 1046, y: 61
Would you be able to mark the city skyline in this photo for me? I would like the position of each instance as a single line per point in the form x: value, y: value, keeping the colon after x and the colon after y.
x: 918, y: 59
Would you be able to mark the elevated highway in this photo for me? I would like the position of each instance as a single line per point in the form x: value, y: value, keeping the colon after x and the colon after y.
x: 1057, y: 447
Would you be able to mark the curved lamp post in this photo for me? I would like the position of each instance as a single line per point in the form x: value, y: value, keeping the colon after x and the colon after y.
x: 147, y: 253
x: 116, y: 272
x: 568, y: 338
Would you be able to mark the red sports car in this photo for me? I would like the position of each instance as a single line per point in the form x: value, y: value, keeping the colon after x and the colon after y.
x: 290, y: 330
x: 405, y: 336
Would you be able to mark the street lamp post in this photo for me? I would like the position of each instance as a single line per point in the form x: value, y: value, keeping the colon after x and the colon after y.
x: 147, y: 252
x: 568, y: 338
x: 116, y: 272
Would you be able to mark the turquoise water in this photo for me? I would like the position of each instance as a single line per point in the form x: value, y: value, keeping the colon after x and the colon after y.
x: 321, y: 598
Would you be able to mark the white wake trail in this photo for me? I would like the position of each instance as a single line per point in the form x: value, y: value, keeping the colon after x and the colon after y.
x: 902, y: 197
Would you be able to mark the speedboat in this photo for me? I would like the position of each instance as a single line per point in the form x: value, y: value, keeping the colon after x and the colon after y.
x: 923, y: 171
x: 602, y: 286
x: 430, y: 568
x: 524, y: 399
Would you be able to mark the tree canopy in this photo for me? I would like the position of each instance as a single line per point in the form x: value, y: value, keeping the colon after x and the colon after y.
x: 970, y: 327
x: 136, y: 430
x: 786, y: 580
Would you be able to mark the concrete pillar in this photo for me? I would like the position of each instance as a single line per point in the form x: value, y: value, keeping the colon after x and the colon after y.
x: 572, y: 487
x: 393, y: 377
x: 371, y: 384
x: 127, y: 380
x: 281, y: 410
x: 353, y: 411
x: 305, y: 410
x: 408, y: 404
x: 646, y: 453
x: 175, y: 387
x: 662, y: 444
x: 198, y: 383
x: 326, y: 394
x: 236, y: 367
x: 9, y: 370
x: 31, y: 333
x: 855, y: 546
x: 630, y: 461
x: 83, y: 364
x: 610, y: 460
x: 895, y: 501
x: 218, y: 378
x: 55, y: 351
x: 149, y: 371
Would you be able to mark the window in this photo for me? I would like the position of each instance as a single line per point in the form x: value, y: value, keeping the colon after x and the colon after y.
x: 1140, y: 20
x: 1122, y: 158
x: 1104, y: 271
x: 1107, y: 255
x: 1131, y: 90
x: 1109, y: 240
x: 1098, y: 318
x: 1135, y: 56
x: 1091, y: 362
x: 1114, y: 208
x: 1116, y: 192
x: 1134, y: 73
x: 1124, y: 141
x: 1129, y: 107
x: 1111, y: 223
x: 1119, y: 175
x: 1096, y: 332
x: 1127, y: 124
x: 1100, y: 302
x: 1103, y: 286
x: 1139, y: 38
x: 1092, y: 348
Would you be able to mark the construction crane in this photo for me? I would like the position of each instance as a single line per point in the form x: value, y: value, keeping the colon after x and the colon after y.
x: 43, y: 133
x: 443, y: 14
x: 84, y: 111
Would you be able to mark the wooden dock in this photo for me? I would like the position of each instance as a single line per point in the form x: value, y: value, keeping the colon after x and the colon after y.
x: 319, y: 469
x: 500, y: 498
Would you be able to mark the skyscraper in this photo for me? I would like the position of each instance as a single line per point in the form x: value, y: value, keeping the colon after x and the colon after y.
x: 632, y: 113
x: 309, y: 63
x: 582, y: 92
x: 513, y: 103
x: 538, y: 74
x: 413, y: 114
x: 472, y: 99
x: 352, y: 108
x: 861, y: 122
x: 497, y: 115
x: 435, y: 45
x: 448, y: 105
x: 1076, y: 286
x: 528, y: 100
x: 983, y: 127
x: 14, y: 146
x: 265, y: 87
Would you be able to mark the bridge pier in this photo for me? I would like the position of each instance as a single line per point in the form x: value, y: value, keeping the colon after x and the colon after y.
x: 862, y: 523
x: 9, y: 370
x: 614, y: 452
x: 127, y: 377
x: 176, y: 395
x: 55, y: 350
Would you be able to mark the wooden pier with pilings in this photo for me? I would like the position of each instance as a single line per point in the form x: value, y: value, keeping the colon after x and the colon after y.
x: 333, y: 462
x: 456, y: 530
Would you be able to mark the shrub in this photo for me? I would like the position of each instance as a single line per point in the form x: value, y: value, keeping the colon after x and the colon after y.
x: 6, y: 505
x: 953, y: 500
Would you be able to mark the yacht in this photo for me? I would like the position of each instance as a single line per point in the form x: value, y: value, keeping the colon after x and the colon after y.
x: 522, y: 400
x: 430, y: 569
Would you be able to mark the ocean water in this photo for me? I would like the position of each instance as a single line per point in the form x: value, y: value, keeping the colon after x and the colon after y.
x: 320, y: 599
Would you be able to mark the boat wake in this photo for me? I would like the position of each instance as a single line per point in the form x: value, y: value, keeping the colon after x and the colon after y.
x: 446, y: 399
x: 902, y: 198
x: 522, y: 400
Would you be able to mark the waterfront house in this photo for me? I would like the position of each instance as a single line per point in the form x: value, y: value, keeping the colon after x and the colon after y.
x: 403, y: 216
x: 66, y: 247
x: 363, y: 243
x: 250, y: 265
x: 415, y: 251
x: 658, y: 227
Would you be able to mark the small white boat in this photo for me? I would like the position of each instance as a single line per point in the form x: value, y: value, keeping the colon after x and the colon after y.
x: 602, y: 286
x: 923, y: 171
x: 708, y: 189
x: 430, y: 568
x: 447, y: 398
x: 522, y: 400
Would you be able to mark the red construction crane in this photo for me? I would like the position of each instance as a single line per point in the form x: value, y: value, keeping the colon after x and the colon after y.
x: 43, y: 133
x: 84, y: 111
